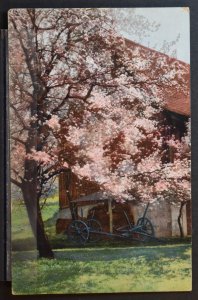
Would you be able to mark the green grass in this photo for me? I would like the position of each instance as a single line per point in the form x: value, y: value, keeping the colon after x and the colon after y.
x: 111, y: 266
x: 22, y: 237
x: 104, y: 270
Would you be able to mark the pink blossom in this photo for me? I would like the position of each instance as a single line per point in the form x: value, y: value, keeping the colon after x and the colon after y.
x: 53, y: 123
x: 40, y: 157
x: 161, y: 186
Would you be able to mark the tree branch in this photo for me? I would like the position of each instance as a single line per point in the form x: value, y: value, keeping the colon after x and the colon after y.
x: 18, y: 140
x: 16, y: 182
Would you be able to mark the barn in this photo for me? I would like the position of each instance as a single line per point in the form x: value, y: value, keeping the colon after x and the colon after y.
x: 176, y: 112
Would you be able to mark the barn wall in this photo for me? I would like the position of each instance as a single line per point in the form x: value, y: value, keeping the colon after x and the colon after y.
x: 174, y: 215
x: 76, y: 187
x: 163, y: 217
x: 160, y: 216
x: 63, y: 200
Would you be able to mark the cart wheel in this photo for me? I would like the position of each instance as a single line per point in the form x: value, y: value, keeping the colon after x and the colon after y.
x: 146, y: 230
x: 78, y: 232
x: 94, y: 227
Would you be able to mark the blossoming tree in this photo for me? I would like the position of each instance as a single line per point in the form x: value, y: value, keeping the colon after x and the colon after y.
x: 81, y: 98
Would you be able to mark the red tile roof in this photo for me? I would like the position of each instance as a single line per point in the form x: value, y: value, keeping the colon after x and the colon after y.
x: 177, y: 96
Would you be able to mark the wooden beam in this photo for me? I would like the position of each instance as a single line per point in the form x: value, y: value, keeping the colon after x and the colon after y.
x: 110, y: 216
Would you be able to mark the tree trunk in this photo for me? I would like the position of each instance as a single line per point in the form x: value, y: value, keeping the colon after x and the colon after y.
x: 43, y: 244
x: 36, y: 221
x: 179, y: 219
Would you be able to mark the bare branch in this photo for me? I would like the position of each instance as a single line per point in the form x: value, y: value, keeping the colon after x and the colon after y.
x: 16, y: 182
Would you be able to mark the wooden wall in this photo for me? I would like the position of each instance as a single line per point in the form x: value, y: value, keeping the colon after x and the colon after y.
x: 77, y: 188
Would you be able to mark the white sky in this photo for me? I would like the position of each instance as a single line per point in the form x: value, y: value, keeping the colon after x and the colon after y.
x: 173, y: 21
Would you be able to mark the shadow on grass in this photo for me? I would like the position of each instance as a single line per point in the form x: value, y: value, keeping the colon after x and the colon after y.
x: 60, y: 242
x: 89, y: 269
x: 110, y: 254
x: 26, y: 244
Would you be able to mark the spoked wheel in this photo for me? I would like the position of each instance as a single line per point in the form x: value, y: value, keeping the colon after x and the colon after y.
x: 94, y: 227
x: 78, y: 232
x: 145, y: 230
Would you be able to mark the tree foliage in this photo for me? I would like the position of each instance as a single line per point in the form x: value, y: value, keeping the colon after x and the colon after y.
x: 82, y: 98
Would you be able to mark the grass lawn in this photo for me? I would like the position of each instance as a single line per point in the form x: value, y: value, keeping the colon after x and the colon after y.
x: 104, y: 270
x: 101, y: 269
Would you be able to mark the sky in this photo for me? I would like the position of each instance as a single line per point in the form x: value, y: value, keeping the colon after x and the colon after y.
x: 172, y: 26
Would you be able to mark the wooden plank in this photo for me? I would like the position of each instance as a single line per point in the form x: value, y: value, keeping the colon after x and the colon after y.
x: 110, y: 216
